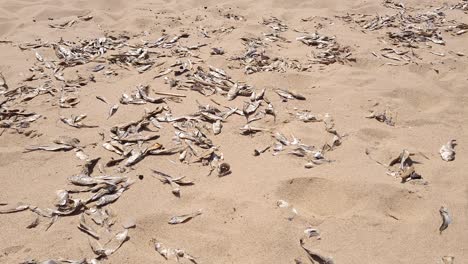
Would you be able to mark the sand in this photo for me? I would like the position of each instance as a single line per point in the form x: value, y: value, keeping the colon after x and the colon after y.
x: 363, y: 214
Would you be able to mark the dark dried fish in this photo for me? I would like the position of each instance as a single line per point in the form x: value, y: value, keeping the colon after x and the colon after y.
x: 446, y: 219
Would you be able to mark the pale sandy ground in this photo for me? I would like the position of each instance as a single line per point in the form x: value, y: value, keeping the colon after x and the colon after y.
x: 350, y: 201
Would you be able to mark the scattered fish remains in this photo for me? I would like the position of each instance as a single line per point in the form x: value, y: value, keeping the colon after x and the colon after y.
x: 62, y: 69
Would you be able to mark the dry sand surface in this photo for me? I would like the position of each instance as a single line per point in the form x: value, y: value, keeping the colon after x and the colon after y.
x: 363, y: 214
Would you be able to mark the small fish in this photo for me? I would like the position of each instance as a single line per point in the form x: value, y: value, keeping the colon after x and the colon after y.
x: 55, y: 147
x: 184, y: 218
x: 17, y: 208
x: 102, y: 99
x: 311, y: 232
x: 107, y: 199
x: 447, y: 151
x: 39, y: 57
x: 257, y: 152
x: 217, y: 126
x: 62, y: 198
x: 162, y: 73
x: 448, y: 259
x: 217, y: 51
x: 81, y: 155
x: 446, y: 219
x: 98, y: 67
x: 112, y: 110
x: 83, y: 226
x: 282, y: 204
x: 233, y: 92
x: 144, y: 68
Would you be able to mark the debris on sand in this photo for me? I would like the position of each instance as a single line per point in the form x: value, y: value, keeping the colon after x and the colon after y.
x: 447, y: 151
x: 446, y: 219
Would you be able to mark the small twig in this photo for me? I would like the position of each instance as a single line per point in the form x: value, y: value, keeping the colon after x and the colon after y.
x: 169, y: 94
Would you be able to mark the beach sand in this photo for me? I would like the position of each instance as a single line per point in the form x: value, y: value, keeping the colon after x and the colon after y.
x: 363, y: 214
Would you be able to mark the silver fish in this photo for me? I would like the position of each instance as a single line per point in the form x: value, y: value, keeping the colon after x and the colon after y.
x: 107, y: 199
x: 446, y: 219
x: 55, y: 147
x: 62, y: 198
x: 217, y: 126
x: 17, y: 208
x: 83, y: 226
x: 184, y: 218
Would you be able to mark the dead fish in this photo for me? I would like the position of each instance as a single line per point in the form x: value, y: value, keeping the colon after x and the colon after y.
x: 98, y: 67
x: 66, y: 140
x: 174, y: 182
x: 89, y: 166
x: 314, y: 256
x: 257, y: 152
x: 83, y: 180
x: 136, y: 156
x: 168, y: 252
x: 112, y: 148
x: 62, y: 198
x: 55, y: 147
x: 17, y: 208
x: 34, y: 223
x: 83, y: 226
x: 81, y: 155
x: 112, y: 110
x: 162, y: 73
x: 282, y: 204
x: 72, y: 206
x: 248, y: 130
x: 312, y: 232
x: 233, y: 92
x: 217, y: 51
x: 111, y: 246
x: 102, y: 99
x: 448, y: 259
x: 107, y: 199
x: 39, y: 57
x: 144, y: 68
x: 446, y: 219
x: 249, y: 107
x: 184, y: 218
x: 217, y: 126
x: 447, y: 151
x: 75, y: 121
x: 288, y: 95
x: 224, y: 169
x: 306, y: 116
